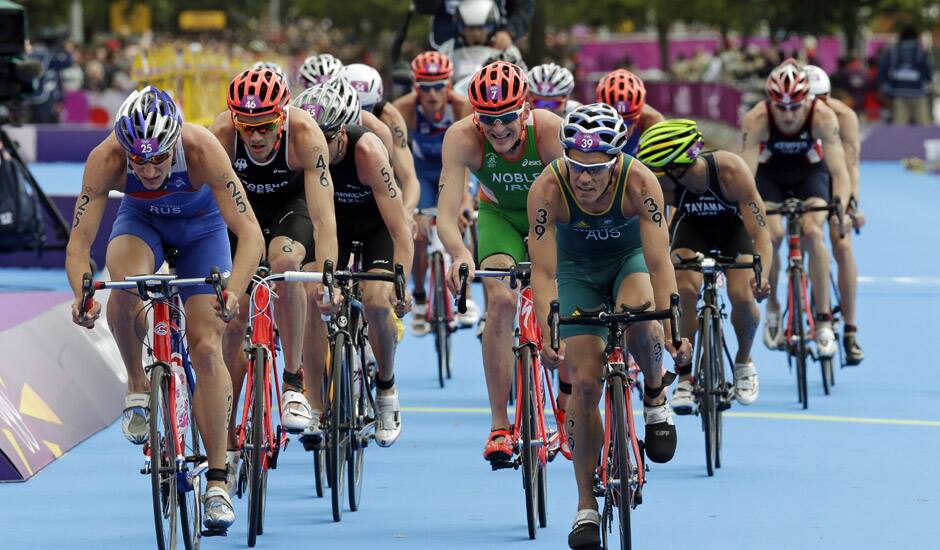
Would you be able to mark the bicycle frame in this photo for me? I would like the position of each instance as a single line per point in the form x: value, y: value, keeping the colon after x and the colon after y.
x: 615, y: 365
x: 529, y: 340
x: 796, y: 272
x: 261, y: 331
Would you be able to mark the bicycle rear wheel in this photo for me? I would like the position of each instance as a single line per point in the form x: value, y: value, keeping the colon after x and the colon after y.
x: 339, y: 426
x: 618, y: 497
x: 190, y: 497
x: 719, y: 375
x: 256, y: 462
x: 528, y: 453
x: 355, y: 456
x: 319, y: 470
x: 162, y: 459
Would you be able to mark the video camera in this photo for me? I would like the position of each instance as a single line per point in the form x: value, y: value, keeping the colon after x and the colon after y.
x: 18, y: 75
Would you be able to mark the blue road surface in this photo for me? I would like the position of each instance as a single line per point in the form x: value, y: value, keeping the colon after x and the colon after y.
x: 855, y: 471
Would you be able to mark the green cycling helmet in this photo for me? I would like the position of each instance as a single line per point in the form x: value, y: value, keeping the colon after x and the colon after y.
x: 670, y: 143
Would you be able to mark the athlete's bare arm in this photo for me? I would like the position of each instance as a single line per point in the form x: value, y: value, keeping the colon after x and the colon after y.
x: 851, y: 144
x: 546, y: 207
x: 737, y: 184
x: 379, y: 128
x: 650, y: 116
x: 644, y: 198
x: 105, y: 170
x: 461, y: 152
x: 224, y: 130
x: 547, y: 127
x: 826, y: 128
x: 209, y: 165
x: 407, y: 106
x: 374, y: 170
x: 309, y: 152
x: 754, y: 131
x: 401, y: 154
x: 462, y: 107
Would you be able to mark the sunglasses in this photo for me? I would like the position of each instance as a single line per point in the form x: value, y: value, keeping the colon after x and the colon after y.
x: 549, y: 104
x: 260, y: 127
x: 504, y: 119
x: 591, y: 169
x: 331, y: 136
x: 155, y: 159
x: 788, y: 106
x: 429, y: 86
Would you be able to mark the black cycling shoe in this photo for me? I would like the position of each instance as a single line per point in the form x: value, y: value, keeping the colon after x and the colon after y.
x: 660, y: 433
x: 853, y: 352
x: 586, y: 531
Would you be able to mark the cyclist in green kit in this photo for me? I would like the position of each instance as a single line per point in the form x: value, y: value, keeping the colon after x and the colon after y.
x: 506, y: 145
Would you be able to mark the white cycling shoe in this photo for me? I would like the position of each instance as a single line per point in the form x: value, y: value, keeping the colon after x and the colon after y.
x: 683, y: 401
x: 773, y: 336
x: 471, y: 317
x: 219, y: 513
x: 314, y: 428
x: 295, y: 411
x: 232, y: 459
x: 419, y: 323
x: 388, y: 419
x: 826, y: 341
x: 746, y: 386
x: 135, y: 421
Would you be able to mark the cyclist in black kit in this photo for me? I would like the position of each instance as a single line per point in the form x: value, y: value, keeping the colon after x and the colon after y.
x: 785, y: 138
x: 369, y: 210
x: 717, y: 207
x: 280, y: 155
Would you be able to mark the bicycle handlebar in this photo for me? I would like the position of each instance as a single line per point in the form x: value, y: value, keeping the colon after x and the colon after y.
x: 613, y: 320
x: 328, y: 277
x: 708, y: 264
x: 462, y: 293
x: 794, y: 208
x: 153, y: 286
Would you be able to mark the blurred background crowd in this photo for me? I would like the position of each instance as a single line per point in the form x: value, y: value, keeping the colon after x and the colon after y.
x: 89, y: 48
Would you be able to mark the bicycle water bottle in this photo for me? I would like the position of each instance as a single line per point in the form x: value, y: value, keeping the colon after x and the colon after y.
x: 182, y: 392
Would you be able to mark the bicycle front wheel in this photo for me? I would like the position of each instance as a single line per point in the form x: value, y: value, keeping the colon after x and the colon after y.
x: 798, y: 329
x: 708, y: 409
x: 339, y: 426
x: 256, y: 462
x: 618, y: 494
x: 528, y: 453
x: 439, y: 317
x: 163, y: 485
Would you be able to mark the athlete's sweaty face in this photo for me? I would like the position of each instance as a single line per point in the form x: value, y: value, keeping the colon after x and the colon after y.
x: 504, y: 136
x: 257, y: 135
x: 153, y: 175
x: 475, y: 36
x: 589, y: 184
x: 430, y: 97
x: 792, y: 117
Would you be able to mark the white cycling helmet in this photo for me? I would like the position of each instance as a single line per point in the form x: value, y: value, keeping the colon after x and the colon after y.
x: 550, y: 80
x: 332, y: 104
x: 477, y: 13
x: 818, y: 80
x: 366, y: 81
x: 319, y: 68
x: 597, y: 127
x: 148, y: 123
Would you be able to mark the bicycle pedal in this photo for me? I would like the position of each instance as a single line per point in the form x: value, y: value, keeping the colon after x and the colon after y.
x: 215, y: 532
x: 311, y: 442
x: 503, y: 464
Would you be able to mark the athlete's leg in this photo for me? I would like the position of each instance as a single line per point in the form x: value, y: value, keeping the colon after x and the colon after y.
x: 745, y: 315
x: 848, y: 271
x: 233, y: 353
x: 775, y: 225
x: 212, y: 402
x: 497, y: 339
x: 377, y: 298
x: 129, y: 255
x: 815, y: 246
x: 583, y: 422
x: 689, y: 284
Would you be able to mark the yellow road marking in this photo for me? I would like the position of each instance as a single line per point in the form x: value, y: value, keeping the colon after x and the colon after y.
x: 762, y: 415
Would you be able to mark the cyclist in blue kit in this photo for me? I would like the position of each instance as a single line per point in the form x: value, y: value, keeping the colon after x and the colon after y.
x: 179, y: 191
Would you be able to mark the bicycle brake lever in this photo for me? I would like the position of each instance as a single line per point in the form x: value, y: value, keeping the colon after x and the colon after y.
x: 462, y: 293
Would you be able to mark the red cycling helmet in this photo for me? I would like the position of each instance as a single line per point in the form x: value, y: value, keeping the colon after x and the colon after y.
x: 431, y: 66
x: 258, y: 92
x: 497, y: 88
x: 787, y: 84
x: 624, y: 91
